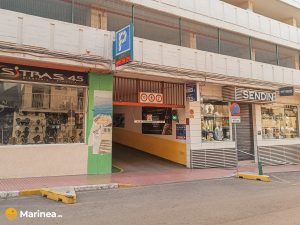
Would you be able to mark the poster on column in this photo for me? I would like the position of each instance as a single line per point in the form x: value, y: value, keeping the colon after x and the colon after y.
x: 181, y: 131
x: 101, y: 132
x: 191, y: 92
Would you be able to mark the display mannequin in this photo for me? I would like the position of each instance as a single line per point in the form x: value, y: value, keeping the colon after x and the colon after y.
x: 219, y: 133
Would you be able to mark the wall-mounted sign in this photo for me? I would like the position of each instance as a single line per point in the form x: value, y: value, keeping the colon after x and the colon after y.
x: 146, y: 97
x: 286, y: 91
x: 123, y: 45
x: 248, y: 95
x: 181, y: 131
x: 149, y: 121
x: 235, y: 119
x: 191, y: 92
x: 41, y: 75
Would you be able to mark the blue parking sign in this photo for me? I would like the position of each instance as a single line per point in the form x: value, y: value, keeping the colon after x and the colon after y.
x: 123, y: 40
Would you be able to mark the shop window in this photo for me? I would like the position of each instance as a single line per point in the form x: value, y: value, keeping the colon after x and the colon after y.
x: 280, y: 121
x: 215, y: 121
x: 160, y: 121
x: 40, y: 114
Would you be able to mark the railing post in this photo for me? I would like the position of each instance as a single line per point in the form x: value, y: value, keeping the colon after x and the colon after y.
x: 180, y: 32
x: 219, y: 41
x: 250, y: 48
x: 277, y: 55
x: 72, y: 16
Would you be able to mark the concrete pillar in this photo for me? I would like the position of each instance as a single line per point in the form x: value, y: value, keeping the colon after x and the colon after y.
x: 193, y: 41
x: 253, y: 54
x: 248, y: 5
x: 297, y: 62
x: 98, y: 19
x: 291, y: 21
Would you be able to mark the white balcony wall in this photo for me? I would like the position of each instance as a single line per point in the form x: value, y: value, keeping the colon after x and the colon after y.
x: 167, y: 55
x: 220, y: 14
x: 23, y: 29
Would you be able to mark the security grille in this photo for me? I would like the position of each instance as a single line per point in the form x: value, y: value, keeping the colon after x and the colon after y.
x: 280, y: 154
x: 210, y: 158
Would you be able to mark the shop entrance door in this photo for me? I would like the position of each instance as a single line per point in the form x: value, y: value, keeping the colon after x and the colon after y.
x: 245, y: 139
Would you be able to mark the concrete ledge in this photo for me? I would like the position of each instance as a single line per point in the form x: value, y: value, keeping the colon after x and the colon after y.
x: 29, y: 192
x: 38, y: 192
x: 66, y: 195
x: 126, y: 185
x: 95, y: 187
x: 250, y: 176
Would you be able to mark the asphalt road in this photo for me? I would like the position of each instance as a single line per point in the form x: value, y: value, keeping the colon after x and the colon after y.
x: 229, y: 201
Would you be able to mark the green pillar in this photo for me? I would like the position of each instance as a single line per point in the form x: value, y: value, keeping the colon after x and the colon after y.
x: 99, y: 106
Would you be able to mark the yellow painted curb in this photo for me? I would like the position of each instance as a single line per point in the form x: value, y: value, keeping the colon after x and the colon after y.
x: 126, y: 185
x: 250, y: 176
x: 119, y: 168
x: 29, y: 192
x: 58, y: 196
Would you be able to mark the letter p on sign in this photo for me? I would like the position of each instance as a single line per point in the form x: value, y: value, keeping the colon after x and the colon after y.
x: 122, y: 39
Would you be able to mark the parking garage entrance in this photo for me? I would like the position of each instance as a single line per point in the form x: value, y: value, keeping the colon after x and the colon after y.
x: 148, y: 124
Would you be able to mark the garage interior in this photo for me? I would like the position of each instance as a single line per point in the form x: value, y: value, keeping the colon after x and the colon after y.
x: 146, y: 115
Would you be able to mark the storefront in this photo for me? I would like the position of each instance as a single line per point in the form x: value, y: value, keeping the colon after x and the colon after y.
x: 41, y: 106
x: 277, y: 125
x: 269, y: 127
x: 42, y: 121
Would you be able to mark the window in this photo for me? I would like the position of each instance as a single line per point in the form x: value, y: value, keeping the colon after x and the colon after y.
x: 288, y: 57
x: 235, y: 45
x: 264, y: 52
x: 215, y: 121
x: 160, y: 121
x: 41, y: 114
x: 279, y: 121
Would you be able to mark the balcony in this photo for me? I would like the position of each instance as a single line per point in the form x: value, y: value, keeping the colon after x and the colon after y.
x: 229, y: 17
x: 192, y: 64
x: 61, y: 42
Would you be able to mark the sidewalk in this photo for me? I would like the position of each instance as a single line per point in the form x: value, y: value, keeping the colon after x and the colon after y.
x: 135, y: 178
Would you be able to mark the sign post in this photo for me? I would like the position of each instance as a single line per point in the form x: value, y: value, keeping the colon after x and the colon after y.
x: 235, y: 112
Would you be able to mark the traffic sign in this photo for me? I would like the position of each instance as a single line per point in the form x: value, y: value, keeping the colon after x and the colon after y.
x: 235, y: 119
x: 235, y: 109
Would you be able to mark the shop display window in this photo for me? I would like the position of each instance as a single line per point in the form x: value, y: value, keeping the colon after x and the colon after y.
x: 41, y: 114
x: 279, y: 121
x: 215, y: 121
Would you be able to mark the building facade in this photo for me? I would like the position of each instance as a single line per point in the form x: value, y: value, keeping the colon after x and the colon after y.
x: 63, y: 101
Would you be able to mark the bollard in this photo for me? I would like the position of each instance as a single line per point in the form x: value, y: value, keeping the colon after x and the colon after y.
x: 260, y: 168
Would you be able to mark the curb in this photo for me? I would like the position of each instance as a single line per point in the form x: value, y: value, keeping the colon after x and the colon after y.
x: 35, y: 191
x: 250, y: 176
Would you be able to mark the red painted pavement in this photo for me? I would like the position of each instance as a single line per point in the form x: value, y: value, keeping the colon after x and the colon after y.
x: 135, y: 178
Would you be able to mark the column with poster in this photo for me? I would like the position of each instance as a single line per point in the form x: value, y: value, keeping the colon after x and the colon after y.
x: 99, y: 123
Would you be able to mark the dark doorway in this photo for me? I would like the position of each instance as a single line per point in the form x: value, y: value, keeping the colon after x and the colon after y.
x: 245, y: 139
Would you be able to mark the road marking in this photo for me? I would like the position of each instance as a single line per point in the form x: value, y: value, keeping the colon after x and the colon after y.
x: 280, y: 179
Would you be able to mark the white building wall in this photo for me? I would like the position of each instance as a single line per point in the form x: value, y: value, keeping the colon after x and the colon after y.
x: 43, y: 160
